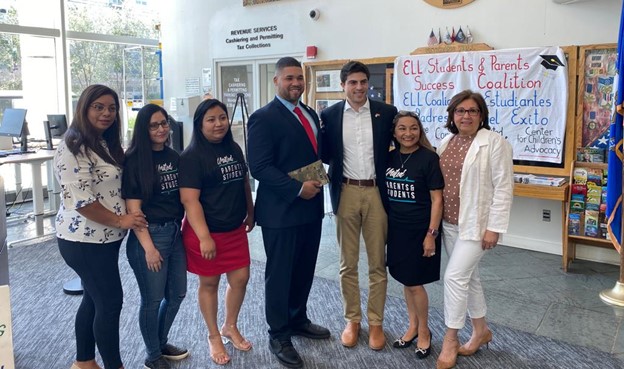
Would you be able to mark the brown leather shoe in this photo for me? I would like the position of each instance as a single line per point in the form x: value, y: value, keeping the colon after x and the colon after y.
x: 350, y: 334
x: 376, y: 337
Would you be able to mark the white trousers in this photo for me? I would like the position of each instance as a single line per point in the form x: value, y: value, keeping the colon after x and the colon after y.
x: 462, y: 284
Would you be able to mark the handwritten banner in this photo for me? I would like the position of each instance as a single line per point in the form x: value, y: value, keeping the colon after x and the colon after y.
x: 525, y: 90
x: 6, y: 336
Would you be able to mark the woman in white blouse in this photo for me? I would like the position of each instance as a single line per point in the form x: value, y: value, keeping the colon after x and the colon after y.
x: 477, y: 166
x: 92, y: 221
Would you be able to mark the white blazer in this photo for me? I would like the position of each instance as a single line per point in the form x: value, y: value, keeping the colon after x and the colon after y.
x: 486, y: 185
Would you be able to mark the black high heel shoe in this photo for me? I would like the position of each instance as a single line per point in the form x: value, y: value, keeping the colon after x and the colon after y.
x: 422, y: 353
x: 400, y: 343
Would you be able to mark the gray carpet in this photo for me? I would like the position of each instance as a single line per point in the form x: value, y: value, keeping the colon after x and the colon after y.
x: 43, y: 327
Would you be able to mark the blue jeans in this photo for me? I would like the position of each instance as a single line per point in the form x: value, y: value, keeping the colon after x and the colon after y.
x: 162, y: 292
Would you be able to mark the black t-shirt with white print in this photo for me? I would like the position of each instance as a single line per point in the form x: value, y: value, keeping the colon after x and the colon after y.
x: 220, y: 175
x: 164, y: 205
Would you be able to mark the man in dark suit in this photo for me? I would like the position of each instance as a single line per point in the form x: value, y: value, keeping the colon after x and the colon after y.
x: 356, y: 140
x: 285, y: 135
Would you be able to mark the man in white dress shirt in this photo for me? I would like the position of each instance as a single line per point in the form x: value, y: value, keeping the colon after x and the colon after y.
x: 356, y: 140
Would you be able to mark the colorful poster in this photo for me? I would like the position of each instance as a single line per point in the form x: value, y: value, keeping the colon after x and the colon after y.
x: 6, y: 335
x: 598, y: 96
x: 525, y: 91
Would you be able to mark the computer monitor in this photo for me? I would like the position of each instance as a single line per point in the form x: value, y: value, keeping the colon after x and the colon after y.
x: 55, y: 127
x: 14, y: 125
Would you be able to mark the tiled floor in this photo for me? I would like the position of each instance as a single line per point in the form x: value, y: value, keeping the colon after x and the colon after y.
x: 525, y: 290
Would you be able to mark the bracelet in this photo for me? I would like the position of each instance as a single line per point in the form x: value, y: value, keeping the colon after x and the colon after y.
x: 433, y: 232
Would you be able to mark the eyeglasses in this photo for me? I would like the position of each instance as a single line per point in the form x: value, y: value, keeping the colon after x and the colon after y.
x: 100, y: 108
x: 154, y: 126
x: 471, y: 112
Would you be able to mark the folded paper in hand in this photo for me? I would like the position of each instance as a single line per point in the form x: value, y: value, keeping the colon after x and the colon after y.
x: 311, y: 172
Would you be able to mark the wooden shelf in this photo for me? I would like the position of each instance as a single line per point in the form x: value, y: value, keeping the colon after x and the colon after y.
x: 592, y: 240
x: 569, y: 241
x: 455, y: 47
x: 584, y: 164
x: 559, y: 193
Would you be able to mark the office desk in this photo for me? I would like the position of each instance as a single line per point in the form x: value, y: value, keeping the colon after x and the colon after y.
x: 35, y: 160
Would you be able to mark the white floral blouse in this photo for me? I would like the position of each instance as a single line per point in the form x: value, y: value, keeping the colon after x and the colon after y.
x: 85, y: 179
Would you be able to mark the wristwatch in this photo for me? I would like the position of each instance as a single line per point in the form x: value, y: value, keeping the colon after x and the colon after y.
x: 433, y: 232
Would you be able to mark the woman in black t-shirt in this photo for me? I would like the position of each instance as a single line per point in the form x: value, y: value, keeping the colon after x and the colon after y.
x: 215, y: 191
x: 414, y: 183
x: 157, y: 256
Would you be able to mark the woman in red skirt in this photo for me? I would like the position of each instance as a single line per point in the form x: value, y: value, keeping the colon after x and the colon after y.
x: 215, y: 192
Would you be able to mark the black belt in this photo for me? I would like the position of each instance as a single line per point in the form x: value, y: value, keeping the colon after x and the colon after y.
x: 359, y: 182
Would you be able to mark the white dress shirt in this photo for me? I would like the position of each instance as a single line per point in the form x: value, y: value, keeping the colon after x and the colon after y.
x: 357, y: 140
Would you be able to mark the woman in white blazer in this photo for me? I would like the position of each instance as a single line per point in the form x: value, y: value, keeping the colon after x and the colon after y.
x: 477, y: 166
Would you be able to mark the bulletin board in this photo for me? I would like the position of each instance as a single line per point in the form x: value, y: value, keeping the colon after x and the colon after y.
x: 315, y: 72
x: 596, y: 70
x: 323, y: 81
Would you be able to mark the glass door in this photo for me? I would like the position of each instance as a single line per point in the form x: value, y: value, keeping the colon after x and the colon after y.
x: 250, y: 82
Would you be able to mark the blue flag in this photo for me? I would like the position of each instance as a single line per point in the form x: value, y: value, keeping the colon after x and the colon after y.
x: 614, y: 184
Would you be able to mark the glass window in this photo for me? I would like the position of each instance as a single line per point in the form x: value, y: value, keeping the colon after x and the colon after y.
x: 105, y: 63
x: 28, y: 78
x: 121, y: 18
x: 10, y: 62
x: 95, y: 62
x: 32, y: 13
x: 267, y: 87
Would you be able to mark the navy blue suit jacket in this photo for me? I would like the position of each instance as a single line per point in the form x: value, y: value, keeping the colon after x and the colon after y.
x: 333, y: 150
x: 278, y: 144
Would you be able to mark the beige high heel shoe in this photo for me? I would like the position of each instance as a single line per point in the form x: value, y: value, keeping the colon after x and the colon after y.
x: 448, y: 364
x: 240, y: 344
x: 485, y: 340
x: 219, y: 357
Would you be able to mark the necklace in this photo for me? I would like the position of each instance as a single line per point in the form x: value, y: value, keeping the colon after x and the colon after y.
x: 408, y: 158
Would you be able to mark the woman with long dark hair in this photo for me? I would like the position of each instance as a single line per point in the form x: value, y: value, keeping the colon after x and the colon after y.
x: 92, y: 221
x: 414, y: 183
x: 216, y: 194
x: 156, y: 254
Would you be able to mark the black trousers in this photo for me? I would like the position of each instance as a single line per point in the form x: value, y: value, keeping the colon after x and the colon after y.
x: 97, y: 319
x: 291, y: 259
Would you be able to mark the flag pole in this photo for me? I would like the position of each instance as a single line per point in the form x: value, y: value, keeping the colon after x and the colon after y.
x: 615, y: 296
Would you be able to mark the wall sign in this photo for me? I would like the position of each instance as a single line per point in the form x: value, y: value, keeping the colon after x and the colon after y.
x: 525, y: 90
x: 254, y: 38
x: 448, y: 4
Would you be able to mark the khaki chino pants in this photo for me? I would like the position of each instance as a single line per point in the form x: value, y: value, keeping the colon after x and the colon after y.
x: 361, y: 212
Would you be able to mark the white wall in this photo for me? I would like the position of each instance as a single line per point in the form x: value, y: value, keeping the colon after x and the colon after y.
x: 194, y: 33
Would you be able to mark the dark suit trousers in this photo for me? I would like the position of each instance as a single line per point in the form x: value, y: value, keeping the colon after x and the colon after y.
x: 291, y: 259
